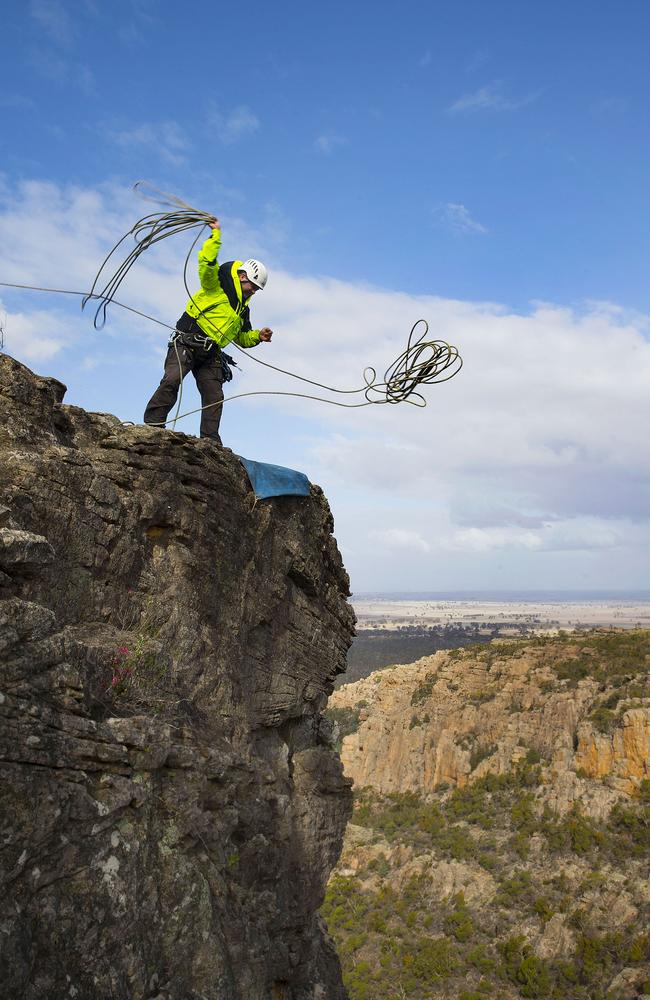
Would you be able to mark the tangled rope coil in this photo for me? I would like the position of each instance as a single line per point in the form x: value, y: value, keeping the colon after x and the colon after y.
x: 146, y: 232
x: 422, y: 362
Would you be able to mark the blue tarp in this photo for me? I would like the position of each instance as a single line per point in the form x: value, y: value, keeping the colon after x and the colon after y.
x: 274, y: 480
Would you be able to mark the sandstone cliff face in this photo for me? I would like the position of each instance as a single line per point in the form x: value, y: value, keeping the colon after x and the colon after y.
x: 171, y: 802
x: 453, y: 717
x: 500, y: 841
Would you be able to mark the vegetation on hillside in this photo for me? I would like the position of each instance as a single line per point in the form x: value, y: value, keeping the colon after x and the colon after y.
x: 376, y: 648
x: 554, y: 906
x: 398, y: 940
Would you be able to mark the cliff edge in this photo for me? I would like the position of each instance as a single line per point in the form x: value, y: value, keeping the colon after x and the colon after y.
x: 172, y: 803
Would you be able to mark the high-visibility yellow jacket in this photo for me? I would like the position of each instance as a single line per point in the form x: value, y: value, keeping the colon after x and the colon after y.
x: 219, y: 307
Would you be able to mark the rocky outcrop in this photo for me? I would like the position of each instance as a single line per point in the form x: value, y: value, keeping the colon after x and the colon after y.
x: 171, y: 801
x: 622, y: 756
x: 499, y: 843
x: 456, y: 716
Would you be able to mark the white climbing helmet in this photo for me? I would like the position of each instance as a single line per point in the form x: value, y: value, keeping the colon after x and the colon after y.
x: 255, y: 271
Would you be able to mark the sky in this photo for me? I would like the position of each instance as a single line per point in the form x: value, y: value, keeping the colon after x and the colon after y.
x: 482, y: 166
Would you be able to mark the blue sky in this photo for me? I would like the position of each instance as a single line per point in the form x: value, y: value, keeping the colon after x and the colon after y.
x: 483, y: 165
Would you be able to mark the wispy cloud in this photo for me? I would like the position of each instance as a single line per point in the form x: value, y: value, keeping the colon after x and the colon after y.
x: 17, y: 101
x: 86, y: 80
x: 141, y: 18
x: 327, y: 143
x: 491, y: 98
x: 477, y: 60
x: 54, y: 19
x: 233, y: 127
x: 610, y: 106
x: 489, y: 539
x: 167, y: 139
x: 457, y: 217
x: 62, y: 70
x: 402, y: 539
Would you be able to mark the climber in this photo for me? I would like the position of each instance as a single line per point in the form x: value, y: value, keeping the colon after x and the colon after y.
x: 213, y: 317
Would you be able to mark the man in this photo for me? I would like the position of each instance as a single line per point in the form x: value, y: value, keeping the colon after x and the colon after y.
x: 214, y: 316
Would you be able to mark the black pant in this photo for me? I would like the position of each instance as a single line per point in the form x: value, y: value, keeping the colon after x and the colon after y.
x: 185, y: 355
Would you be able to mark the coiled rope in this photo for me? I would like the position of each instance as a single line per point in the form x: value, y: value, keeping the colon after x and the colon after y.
x: 422, y: 362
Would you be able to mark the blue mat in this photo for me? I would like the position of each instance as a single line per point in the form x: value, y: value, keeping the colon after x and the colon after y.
x: 275, y: 480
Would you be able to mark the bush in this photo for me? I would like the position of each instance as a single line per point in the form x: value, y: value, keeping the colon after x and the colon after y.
x: 603, y: 719
x: 459, y: 923
x: 524, y: 969
x: 432, y: 958
x: 423, y: 691
x: 573, y: 832
x: 480, y: 753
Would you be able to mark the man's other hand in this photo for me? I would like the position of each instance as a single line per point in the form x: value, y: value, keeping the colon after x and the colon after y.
x: 214, y: 224
x: 266, y: 334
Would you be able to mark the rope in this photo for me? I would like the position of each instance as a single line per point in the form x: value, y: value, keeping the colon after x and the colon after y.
x: 146, y: 232
x: 422, y: 362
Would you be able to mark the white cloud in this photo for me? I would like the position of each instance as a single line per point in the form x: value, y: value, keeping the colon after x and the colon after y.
x: 327, y: 143
x: 488, y: 539
x: 401, y: 539
x: 458, y: 218
x: 166, y: 139
x: 233, y: 127
x: 491, y: 98
x: 611, y: 106
x: 37, y: 335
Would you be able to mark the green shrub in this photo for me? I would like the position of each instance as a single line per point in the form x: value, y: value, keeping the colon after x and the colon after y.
x: 543, y: 909
x: 480, y: 753
x: 481, y: 697
x: 524, y: 969
x: 479, y: 958
x: 459, y: 923
x: 431, y: 958
x: 423, y: 691
x: 573, y: 832
x: 522, y: 814
x: 603, y: 719
x: 515, y: 888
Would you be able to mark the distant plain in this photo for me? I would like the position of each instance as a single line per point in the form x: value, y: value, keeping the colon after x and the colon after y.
x: 402, y: 628
x: 537, y: 615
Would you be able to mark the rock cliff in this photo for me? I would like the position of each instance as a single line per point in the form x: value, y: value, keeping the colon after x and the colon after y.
x: 500, y: 842
x: 172, y: 804
x: 454, y: 717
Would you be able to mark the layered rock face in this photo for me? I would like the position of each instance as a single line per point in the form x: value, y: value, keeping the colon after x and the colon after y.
x: 452, y: 718
x: 171, y: 801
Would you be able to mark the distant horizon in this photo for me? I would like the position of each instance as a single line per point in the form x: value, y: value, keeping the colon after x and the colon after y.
x: 539, y: 596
